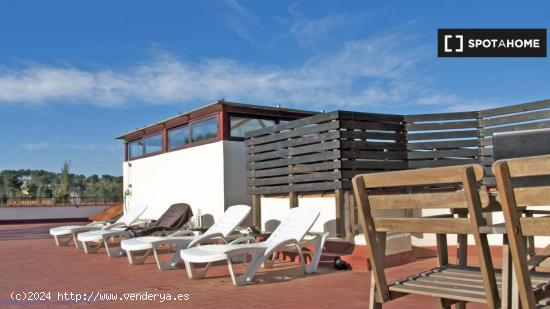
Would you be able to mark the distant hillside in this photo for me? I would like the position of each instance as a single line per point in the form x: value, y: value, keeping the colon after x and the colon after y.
x: 40, y: 183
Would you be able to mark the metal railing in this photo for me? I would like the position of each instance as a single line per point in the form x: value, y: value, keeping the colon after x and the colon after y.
x: 58, y: 201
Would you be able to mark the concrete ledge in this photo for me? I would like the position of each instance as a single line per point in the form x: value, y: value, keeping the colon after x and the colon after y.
x: 48, y: 214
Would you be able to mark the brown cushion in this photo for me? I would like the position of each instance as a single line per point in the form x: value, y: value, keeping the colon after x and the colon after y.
x: 108, y: 214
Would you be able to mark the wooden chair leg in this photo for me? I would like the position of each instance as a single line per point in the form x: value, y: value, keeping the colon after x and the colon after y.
x: 373, y: 303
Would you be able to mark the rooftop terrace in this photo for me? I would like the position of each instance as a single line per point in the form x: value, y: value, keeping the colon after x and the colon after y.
x: 31, y: 262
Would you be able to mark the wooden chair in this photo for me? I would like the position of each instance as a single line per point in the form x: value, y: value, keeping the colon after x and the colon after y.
x: 525, y: 182
x: 456, y: 188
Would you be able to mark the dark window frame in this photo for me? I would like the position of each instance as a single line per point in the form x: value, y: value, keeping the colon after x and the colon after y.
x: 251, y: 116
x: 168, y: 149
x: 207, y: 140
x: 142, y: 139
x: 190, y: 125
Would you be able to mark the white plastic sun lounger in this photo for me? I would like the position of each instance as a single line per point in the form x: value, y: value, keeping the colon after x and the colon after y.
x: 64, y: 234
x: 232, y: 217
x: 286, y: 237
x: 100, y: 236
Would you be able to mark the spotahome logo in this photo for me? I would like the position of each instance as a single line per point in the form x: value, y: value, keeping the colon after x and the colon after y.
x: 491, y: 42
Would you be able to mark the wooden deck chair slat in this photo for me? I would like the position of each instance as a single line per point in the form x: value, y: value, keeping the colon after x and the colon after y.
x: 532, y: 196
x: 424, y: 200
x: 423, y: 225
x: 535, y: 226
x: 420, y: 177
x: 529, y: 166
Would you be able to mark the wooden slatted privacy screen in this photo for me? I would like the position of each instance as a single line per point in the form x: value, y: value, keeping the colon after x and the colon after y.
x: 323, y: 152
x: 534, y: 115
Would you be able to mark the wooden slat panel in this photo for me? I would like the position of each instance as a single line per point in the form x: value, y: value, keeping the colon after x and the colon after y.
x: 312, y: 139
x: 306, y: 187
x: 440, y: 163
x: 316, y: 128
x: 423, y: 225
x: 443, y: 144
x: 375, y: 155
x: 443, y: 153
x: 441, y: 116
x: 424, y: 200
x: 295, y: 169
x: 518, y: 108
x: 516, y: 127
x: 331, y: 145
x: 443, y: 135
x: 373, y: 165
x: 268, y: 172
x: 315, y: 167
x: 441, y: 125
x: 368, y: 145
x: 314, y: 177
x: 509, y: 119
x: 373, y: 135
x: 377, y: 126
x: 441, y: 175
x: 332, y: 155
x: 282, y: 153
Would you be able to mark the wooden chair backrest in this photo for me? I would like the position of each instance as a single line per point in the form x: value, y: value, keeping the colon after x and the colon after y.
x: 523, y: 182
x: 454, y: 188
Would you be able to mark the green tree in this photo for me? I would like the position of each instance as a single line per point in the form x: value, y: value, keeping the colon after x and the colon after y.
x: 63, y: 188
x: 10, y: 184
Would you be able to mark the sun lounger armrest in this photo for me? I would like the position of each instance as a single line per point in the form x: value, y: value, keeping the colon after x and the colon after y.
x: 283, y: 244
x: 142, y: 222
x: 97, y: 223
x: 205, y: 238
x: 182, y: 233
x: 242, y: 240
x: 111, y: 226
x: 316, y: 236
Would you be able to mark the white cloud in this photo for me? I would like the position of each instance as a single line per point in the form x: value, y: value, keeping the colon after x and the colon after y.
x: 375, y: 71
x: 36, y: 146
x: 240, y: 20
x: 312, y: 32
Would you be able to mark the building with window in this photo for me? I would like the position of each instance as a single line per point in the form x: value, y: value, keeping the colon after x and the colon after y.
x: 197, y: 157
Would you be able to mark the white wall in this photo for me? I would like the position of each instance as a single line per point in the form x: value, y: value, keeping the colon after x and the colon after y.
x: 193, y: 175
x: 209, y: 177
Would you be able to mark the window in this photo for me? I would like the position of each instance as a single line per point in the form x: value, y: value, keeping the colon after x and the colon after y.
x: 204, y: 129
x: 240, y: 125
x: 135, y: 149
x: 152, y: 144
x: 178, y: 137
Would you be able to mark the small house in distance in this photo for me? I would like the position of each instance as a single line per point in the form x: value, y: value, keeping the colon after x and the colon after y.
x: 197, y: 157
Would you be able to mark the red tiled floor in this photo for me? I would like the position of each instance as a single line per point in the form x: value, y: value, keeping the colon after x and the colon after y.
x: 37, y: 265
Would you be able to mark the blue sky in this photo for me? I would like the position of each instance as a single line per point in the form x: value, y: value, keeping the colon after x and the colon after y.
x: 74, y: 74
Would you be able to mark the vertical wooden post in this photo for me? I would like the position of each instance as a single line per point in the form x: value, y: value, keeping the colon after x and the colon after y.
x: 257, y: 210
x: 293, y: 199
x: 340, y: 201
x: 462, y: 253
x: 350, y: 216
